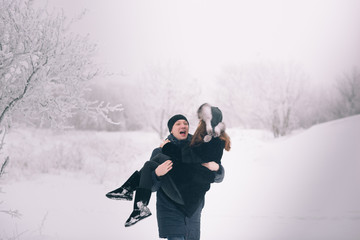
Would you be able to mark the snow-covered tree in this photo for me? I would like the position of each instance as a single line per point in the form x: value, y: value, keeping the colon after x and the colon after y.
x: 44, y: 68
x: 236, y: 95
x: 347, y: 102
x: 280, y: 89
x: 264, y: 95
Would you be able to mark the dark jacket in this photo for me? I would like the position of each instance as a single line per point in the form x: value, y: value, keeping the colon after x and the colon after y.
x: 175, y: 219
x: 191, y: 178
x: 196, y: 155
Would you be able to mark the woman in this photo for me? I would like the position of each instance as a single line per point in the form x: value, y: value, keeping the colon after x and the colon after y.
x: 191, y: 176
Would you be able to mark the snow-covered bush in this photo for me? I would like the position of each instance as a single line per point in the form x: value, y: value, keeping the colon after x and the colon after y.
x: 104, y: 156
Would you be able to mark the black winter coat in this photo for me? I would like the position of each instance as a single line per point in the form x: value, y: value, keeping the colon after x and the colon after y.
x: 191, y: 178
x: 171, y: 216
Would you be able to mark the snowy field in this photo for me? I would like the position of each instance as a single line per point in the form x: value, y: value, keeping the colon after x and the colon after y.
x: 302, y: 187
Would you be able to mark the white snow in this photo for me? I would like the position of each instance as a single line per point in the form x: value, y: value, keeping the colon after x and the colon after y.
x: 305, y: 186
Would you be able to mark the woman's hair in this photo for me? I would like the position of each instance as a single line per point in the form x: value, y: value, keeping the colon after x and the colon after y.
x: 200, y: 133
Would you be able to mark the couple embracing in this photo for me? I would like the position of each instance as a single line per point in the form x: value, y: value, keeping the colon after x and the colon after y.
x: 180, y: 171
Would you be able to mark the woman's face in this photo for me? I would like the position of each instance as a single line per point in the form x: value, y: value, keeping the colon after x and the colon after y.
x: 180, y: 130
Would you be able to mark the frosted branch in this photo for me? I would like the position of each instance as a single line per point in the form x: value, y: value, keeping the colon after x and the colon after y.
x: 2, y: 170
x: 12, y: 213
x: 105, y: 110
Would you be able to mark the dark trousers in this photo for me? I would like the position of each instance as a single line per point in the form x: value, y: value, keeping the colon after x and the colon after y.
x: 148, y: 168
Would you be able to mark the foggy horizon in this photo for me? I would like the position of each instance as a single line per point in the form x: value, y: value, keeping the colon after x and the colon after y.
x: 206, y: 36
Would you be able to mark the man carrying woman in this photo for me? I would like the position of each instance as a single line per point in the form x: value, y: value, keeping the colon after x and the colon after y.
x: 181, y: 171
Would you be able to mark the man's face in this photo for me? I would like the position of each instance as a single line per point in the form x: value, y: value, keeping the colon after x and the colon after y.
x: 180, y: 130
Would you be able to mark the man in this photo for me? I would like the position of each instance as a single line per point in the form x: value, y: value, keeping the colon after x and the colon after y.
x: 173, y: 223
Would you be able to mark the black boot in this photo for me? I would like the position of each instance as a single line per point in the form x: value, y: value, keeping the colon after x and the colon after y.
x: 125, y: 192
x: 141, y: 211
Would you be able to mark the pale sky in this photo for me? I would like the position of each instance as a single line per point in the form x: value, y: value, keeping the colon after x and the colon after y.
x: 321, y: 35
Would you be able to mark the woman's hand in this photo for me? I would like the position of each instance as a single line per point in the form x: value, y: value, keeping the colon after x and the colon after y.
x: 164, y: 142
x: 163, y: 168
x: 212, y: 166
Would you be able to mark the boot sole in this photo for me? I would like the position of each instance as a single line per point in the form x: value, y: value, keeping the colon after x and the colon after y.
x: 136, y: 220
x: 118, y: 197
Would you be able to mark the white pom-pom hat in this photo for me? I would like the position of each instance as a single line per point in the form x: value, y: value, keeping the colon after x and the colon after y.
x: 212, y: 116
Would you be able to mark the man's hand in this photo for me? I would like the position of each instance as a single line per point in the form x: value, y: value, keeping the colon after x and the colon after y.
x: 212, y: 166
x: 163, y: 168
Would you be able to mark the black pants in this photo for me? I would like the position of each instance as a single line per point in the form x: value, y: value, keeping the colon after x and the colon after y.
x: 148, y: 168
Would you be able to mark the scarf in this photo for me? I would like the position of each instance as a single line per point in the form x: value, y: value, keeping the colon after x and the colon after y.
x: 178, y: 142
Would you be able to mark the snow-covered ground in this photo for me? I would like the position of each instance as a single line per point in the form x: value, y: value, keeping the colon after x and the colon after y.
x: 302, y: 187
